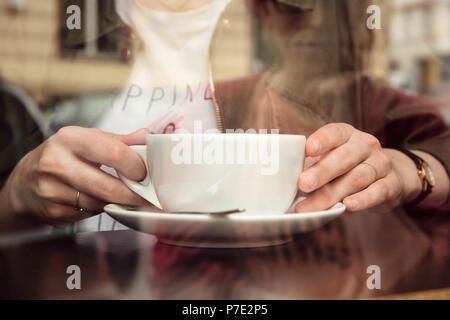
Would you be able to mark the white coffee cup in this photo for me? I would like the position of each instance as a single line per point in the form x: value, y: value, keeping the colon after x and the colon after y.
x: 206, y: 173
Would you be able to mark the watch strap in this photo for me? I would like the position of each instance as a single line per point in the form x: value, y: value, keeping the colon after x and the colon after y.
x: 418, y: 161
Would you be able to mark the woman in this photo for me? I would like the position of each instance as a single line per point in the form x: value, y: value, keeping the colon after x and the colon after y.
x: 61, y: 180
x: 314, y: 85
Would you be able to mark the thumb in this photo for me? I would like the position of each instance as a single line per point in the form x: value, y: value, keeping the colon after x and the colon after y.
x: 134, y: 138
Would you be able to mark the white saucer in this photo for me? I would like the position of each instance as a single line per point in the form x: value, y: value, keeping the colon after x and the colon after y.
x: 239, y: 230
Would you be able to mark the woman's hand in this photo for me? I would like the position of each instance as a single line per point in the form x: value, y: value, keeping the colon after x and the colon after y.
x: 46, y: 181
x: 353, y: 167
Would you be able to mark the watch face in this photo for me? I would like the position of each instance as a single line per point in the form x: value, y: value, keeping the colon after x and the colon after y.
x: 429, y: 174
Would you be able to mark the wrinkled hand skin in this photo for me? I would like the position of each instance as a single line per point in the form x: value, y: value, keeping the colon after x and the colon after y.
x: 46, y: 181
x: 351, y: 166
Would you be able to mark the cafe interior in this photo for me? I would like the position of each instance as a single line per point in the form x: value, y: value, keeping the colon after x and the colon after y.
x: 78, y: 63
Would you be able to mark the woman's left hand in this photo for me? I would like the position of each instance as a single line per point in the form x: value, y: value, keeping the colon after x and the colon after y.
x: 353, y: 168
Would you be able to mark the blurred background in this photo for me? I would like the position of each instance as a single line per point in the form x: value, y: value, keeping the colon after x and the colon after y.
x: 411, y: 51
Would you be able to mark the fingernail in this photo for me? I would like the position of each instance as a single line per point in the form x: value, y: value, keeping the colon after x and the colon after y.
x: 302, y: 207
x: 309, y: 181
x: 353, y: 203
x: 315, y: 146
x: 144, y: 130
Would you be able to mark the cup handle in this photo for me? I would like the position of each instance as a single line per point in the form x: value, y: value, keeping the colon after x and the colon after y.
x: 145, y: 191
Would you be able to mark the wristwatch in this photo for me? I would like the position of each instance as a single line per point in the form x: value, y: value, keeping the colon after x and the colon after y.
x: 425, y: 175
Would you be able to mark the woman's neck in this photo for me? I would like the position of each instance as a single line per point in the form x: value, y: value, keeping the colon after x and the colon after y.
x: 173, y: 5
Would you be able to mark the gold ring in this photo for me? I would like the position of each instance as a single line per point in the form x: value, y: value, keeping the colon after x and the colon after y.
x: 373, y: 168
x: 77, y: 203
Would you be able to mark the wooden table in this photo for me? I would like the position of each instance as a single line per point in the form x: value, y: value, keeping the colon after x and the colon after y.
x: 438, y: 294
x: 330, y: 263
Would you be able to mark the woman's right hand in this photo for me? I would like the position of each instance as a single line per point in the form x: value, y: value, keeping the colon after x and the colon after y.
x: 46, y: 181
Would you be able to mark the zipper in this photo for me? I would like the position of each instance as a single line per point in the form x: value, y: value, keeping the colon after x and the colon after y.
x: 219, y: 117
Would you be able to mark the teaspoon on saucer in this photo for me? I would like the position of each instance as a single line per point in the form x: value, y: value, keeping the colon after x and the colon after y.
x: 215, y: 213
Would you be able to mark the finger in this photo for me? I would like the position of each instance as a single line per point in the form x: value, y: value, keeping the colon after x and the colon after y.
x: 98, y: 147
x: 334, y: 164
x: 105, y: 187
x: 94, y: 182
x: 327, y: 138
x: 135, y: 138
x: 352, y: 182
x: 51, y: 189
x: 88, y: 203
x: 310, y: 161
x: 379, y: 163
x: 56, y: 213
x: 383, y: 191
